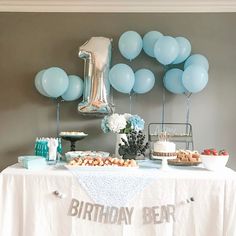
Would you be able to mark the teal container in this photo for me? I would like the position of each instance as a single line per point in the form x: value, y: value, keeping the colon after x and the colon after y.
x: 45, y: 149
x: 36, y: 147
x: 59, y: 148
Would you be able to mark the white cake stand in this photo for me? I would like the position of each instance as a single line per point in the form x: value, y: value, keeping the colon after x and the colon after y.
x: 164, y: 161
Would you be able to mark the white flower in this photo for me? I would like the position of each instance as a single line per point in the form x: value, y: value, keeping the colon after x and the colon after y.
x: 127, y: 116
x: 116, y: 122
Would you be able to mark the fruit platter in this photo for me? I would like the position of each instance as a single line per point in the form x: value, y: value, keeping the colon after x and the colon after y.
x: 214, y: 152
x: 214, y: 160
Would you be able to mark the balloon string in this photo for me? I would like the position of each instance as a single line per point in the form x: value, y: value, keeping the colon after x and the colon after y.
x: 163, y: 108
x: 130, y: 103
x: 188, y: 107
x: 112, y: 99
x: 187, y: 115
x: 58, y: 118
x: 165, y: 68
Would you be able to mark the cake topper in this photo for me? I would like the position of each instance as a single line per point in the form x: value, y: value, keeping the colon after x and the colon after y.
x: 163, y: 136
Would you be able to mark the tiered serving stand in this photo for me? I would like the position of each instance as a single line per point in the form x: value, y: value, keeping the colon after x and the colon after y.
x: 177, y: 133
x: 72, y: 138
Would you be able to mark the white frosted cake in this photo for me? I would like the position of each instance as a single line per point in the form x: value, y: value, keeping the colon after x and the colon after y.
x: 164, y: 148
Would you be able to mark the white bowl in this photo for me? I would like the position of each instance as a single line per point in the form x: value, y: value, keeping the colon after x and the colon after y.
x: 214, y: 163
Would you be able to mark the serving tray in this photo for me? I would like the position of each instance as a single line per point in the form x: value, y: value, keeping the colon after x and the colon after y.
x: 183, y: 163
x: 100, y: 168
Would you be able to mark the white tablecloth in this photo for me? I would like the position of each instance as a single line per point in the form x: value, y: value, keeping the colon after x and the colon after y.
x: 28, y: 207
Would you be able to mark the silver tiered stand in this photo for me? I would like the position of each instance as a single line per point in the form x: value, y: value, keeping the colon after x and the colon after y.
x: 185, y: 136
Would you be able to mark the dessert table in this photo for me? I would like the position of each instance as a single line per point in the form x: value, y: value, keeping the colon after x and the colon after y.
x: 144, y: 201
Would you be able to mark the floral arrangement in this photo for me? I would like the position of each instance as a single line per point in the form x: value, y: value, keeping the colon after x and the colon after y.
x: 122, y: 123
x: 134, y: 146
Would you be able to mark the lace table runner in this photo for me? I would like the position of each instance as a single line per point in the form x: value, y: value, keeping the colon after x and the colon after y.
x: 114, y: 188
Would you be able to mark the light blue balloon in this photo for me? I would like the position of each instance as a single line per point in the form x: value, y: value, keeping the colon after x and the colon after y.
x: 166, y: 50
x: 144, y: 81
x: 173, y: 81
x: 195, y: 78
x: 197, y: 59
x: 149, y: 41
x: 38, y: 83
x: 75, y: 88
x: 55, y: 82
x: 121, y: 77
x: 184, y: 50
x: 130, y: 44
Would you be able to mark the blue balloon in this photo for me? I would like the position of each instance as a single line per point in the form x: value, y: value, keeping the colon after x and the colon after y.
x: 38, y: 83
x: 121, y: 77
x: 195, y: 78
x: 184, y: 50
x: 55, y: 82
x: 75, y: 88
x: 166, y: 50
x: 130, y: 44
x: 197, y: 59
x: 173, y: 81
x: 144, y: 81
x: 149, y: 41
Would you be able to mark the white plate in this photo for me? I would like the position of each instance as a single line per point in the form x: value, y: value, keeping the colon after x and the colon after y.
x: 100, y: 168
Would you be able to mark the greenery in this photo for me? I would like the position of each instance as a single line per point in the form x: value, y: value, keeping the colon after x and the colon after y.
x: 134, y: 145
x: 127, y: 129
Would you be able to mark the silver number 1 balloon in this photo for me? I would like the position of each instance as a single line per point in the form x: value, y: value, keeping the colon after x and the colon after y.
x: 96, y: 53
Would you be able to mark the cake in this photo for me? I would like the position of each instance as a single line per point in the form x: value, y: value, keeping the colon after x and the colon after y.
x: 164, y: 148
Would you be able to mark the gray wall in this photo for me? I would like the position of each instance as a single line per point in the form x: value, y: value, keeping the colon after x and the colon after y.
x: 30, y: 42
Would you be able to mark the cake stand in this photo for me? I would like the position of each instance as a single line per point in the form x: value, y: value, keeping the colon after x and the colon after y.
x: 164, y: 161
x: 73, y: 138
